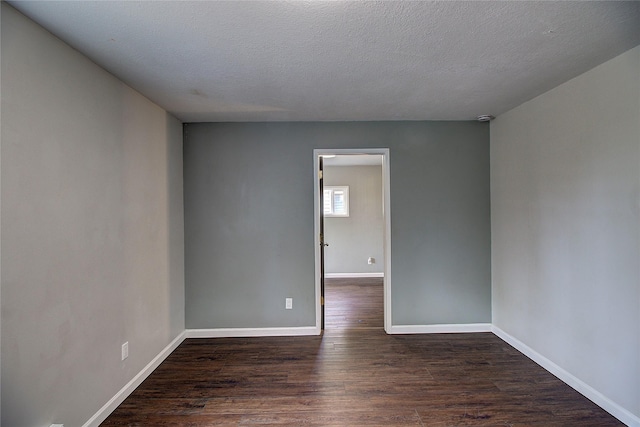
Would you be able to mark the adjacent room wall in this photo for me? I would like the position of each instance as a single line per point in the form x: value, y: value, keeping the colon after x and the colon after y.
x: 353, y: 239
x: 92, y: 230
x: 565, y: 185
x: 249, y: 220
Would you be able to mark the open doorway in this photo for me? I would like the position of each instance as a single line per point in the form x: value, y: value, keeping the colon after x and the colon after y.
x: 352, y: 238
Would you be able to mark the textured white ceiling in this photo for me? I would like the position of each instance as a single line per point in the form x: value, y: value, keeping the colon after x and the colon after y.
x: 338, y: 60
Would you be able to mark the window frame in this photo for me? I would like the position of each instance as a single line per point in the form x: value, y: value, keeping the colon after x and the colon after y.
x: 332, y: 189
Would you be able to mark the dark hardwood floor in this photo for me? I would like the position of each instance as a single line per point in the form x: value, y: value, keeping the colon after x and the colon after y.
x: 354, y: 303
x: 354, y: 375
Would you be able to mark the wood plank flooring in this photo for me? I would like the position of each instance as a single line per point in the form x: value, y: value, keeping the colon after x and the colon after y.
x: 354, y: 303
x: 354, y: 375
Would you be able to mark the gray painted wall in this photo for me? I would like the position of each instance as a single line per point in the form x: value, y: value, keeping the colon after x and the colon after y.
x: 0, y: 221
x: 91, y: 234
x: 353, y: 239
x: 565, y: 185
x: 249, y: 236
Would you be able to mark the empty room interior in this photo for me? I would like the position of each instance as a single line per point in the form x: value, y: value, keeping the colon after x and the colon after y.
x: 319, y: 213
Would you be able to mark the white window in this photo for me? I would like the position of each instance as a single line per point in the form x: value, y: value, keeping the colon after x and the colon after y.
x: 336, y: 201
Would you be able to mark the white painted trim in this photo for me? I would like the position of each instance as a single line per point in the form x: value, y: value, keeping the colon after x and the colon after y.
x: 440, y: 329
x: 386, y: 178
x: 580, y: 386
x: 316, y: 235
x: 252, y: 332
x: 116, y: 400
x: 351, y: 275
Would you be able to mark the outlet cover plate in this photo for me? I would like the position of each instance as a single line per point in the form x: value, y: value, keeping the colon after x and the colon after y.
x: 125, y: 350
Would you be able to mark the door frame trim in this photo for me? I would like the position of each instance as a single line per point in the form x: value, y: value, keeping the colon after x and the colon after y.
x: 386, y: 195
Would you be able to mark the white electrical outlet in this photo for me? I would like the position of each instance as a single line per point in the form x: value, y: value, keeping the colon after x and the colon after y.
x: 288, y: 303
x: 125, y: 350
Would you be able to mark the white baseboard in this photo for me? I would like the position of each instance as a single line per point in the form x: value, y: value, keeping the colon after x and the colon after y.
x: 116, y: 400
x: 581, y: 387
x: 351, y: 275
x: 440, y: 329
x: 252, y: 332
